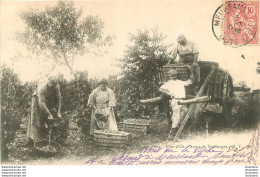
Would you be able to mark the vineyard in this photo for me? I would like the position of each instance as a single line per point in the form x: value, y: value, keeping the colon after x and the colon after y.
x: 16, y: 98
x: 140, y: 66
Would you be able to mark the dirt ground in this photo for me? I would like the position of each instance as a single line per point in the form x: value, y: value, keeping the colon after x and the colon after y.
x: 78, y: 154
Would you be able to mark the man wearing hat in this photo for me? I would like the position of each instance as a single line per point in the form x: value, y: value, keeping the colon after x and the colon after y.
x: 102, y: 100
x: 176, y: 89
x: 45, y: 109
x: 188, y: 53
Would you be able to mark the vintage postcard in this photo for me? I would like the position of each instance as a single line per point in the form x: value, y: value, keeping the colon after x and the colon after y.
x: 130, y: 83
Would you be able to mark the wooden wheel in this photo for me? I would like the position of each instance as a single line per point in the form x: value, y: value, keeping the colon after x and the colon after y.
x: 227, y: 99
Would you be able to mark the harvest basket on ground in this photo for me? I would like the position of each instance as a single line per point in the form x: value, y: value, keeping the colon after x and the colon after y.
x: 47, y: 147
x: 136, y: 126
x: 109, y: 138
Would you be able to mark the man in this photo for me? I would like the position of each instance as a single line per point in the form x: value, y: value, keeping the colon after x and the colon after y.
x: 176, y: 89
x: 102, y: 100
x: 45, y: 108
x: 188, y: 53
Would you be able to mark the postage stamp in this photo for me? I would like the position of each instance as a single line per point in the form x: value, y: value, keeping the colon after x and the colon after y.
x: 236, y: 23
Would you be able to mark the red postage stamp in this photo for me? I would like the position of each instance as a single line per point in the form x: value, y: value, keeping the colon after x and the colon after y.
x: 241, y: 22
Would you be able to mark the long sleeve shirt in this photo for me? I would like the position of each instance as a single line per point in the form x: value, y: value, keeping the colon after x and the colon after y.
x: 100, y: 98
x: 48, y: 98
x: 175, y: 88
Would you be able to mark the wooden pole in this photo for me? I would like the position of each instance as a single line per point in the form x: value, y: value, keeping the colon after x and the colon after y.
x: 152, y: 100
x: 194, y: 106
x: 194, y: 100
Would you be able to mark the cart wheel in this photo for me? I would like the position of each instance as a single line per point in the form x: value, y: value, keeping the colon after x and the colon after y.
x: 227, y: 99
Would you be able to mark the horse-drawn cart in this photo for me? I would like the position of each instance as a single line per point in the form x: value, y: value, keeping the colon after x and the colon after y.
x: 216, y: 86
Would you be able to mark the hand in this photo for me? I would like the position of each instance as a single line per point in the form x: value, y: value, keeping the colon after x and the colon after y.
x: 46, y: 125
x: 59, y: 115
x: 50, y: 117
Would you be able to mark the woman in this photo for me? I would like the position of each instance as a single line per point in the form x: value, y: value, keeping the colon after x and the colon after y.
x: 102, y: 100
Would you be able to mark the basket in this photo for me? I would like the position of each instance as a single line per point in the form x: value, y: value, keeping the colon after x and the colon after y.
x: 41, y: 147
x: 108, y: 138
x: 183, y: 71
x: 101, y: 121
x: 136, y: 126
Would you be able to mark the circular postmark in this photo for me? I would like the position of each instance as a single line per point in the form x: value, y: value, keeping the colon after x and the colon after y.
x: 235, y: 23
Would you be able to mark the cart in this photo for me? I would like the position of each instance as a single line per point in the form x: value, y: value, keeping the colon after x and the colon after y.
x: 216, y: 85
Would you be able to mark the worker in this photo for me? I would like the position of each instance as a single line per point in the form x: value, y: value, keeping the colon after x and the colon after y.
x: 176, y: 89
x: 102, y: 101
x: 45, y: 108
x: 188, y: 55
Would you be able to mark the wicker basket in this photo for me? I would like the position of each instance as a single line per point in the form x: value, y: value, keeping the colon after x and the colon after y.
x: 41, y: 148
x: 107, y: 138
x: 136, y: 126
x: 183, y: 71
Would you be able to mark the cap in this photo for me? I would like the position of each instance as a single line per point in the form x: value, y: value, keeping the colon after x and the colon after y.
x: 173, y: 72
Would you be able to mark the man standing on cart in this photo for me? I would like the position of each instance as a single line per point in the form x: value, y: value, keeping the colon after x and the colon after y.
x: 188, y: 53
x: 102, y: 100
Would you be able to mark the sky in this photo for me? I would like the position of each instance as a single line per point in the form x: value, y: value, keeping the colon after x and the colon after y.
x: 192, y: 18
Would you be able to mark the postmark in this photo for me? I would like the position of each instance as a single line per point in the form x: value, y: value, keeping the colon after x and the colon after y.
x: 235, y: 23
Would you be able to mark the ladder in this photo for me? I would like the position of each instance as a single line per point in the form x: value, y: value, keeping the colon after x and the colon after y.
x: 195, y: 109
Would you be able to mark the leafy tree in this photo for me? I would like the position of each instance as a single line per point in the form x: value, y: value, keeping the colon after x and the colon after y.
x: 140, y: 66
x: 60, y: 33
x: 15, y: 103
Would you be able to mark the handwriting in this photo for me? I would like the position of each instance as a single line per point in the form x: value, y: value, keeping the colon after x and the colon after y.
x: 254, y: 146
x: 186, y: 155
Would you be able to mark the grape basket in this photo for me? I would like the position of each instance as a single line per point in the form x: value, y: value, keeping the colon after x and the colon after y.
x: 136, y: 126
x: 182, y: 70
x: 109, y: 138
x: 47, y: 148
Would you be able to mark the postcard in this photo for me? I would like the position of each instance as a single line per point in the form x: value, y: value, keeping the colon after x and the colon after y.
x: 130, y: 83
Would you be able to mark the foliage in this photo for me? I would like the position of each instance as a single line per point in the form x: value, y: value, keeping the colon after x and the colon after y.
x: 59, y: 33
x: 75, y: 95
x: 15, y: 104
x: 140, y: 66
x: 241, y: 86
